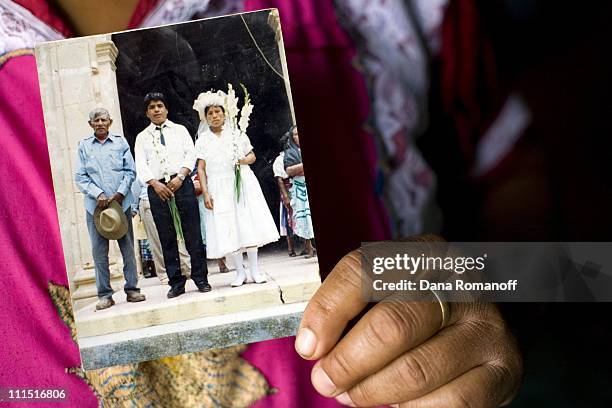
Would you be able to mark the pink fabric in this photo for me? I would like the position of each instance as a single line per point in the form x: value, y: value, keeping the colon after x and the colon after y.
x: 286, y: 372
x: 46, y: 12
x: 37, y: 347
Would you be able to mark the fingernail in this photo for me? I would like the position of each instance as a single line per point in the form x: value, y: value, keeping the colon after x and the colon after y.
x: 305, y: 343
x: 322, y: 382
x: 345, y: 399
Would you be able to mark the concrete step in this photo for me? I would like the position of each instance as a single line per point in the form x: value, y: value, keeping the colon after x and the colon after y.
x: 87, y: 275
x: 150, y: 343
x: 290, y: 280
x: 85, y: 285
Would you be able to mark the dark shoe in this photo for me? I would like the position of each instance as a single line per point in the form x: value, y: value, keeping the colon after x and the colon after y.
x: 104, y: 303
x: 292, y: 253
x: 148, y: 269
x: 172, y: 293
x: 205, y: 287
x: 145, y: 272
x: 135, y: 297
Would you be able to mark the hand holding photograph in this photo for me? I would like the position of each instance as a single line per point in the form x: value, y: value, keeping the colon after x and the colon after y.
x: 179, y: 144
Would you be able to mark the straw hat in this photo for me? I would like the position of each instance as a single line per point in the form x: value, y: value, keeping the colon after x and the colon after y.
x: 111, y: 222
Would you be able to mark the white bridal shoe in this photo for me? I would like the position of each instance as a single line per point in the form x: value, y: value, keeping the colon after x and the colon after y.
x: 240, y: 280
x: 258, y: 277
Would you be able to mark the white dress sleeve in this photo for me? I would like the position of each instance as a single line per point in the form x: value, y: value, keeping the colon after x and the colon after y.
x: 199, y: 147
x: 244, y: 144
x: 278, y: 168
x: 188, y: 150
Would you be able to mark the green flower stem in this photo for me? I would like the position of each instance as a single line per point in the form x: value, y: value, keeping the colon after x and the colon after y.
x: 176, y: 218
x: 238, y: 182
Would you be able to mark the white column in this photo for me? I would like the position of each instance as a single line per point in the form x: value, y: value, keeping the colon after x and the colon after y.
x: 76, y: 76
x: 274, y: 22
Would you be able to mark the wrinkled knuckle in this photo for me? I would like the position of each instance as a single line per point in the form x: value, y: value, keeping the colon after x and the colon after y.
x: 376, y: 334
x: 507, y: 383
x: 478, y: 329
x: 352, y: 261
x: 347, y: 273
x: 457, y: 399
x: 391, y: 327
x: 505, y: 352
x: 362, y: 393
x: 499, y: 371
x: 508, y: 366
x: 339, y: 369
x: 508, y: 346
x: 413, y: 374
x: 471, y: 311
x: 321, y: 307
x: 349, y: 283
x: 485, y: 313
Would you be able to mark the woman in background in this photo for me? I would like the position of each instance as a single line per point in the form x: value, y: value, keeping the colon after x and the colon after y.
x: 302, y: 221
x: 285, y: 221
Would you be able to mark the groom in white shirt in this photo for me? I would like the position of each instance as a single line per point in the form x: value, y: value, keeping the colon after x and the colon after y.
x: 165, y: 157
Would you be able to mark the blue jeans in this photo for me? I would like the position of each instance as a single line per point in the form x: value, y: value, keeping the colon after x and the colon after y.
x: 99, y: 249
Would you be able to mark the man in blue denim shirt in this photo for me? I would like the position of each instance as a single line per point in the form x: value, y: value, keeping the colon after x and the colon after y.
x: 105, y: 172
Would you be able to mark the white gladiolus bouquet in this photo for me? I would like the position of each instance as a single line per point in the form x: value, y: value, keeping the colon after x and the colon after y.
x: 245, y: 112
x: 231, y: 106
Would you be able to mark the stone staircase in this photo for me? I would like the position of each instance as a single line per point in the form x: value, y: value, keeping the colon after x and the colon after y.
x: 290, y: 280
x: 85, y: 292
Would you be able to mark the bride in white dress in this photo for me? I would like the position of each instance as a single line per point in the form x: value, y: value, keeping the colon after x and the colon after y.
x: 237, y: 216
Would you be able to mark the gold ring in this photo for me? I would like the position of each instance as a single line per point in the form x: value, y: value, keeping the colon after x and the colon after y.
x: 444, y: 308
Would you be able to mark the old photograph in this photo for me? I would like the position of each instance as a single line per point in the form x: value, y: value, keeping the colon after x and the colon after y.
x: 180, y: 188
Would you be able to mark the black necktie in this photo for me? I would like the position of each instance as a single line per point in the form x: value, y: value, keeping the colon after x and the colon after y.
x: 161, y: 135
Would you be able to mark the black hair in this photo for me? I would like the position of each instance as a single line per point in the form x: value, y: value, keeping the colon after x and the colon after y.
x: 154, y: 96
x: 210, y: 106
x: 287, y: 138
